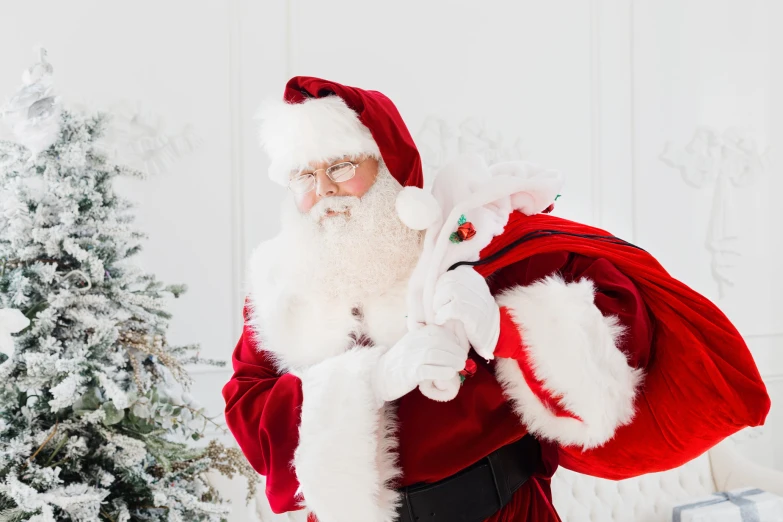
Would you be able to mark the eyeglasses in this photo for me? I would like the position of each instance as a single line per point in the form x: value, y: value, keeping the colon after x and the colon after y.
x: 305, y: 181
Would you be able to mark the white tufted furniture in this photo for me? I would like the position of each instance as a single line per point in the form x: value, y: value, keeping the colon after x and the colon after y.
x: 580, y: 498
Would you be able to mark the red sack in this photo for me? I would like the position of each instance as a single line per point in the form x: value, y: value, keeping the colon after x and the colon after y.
x: 701, y: 385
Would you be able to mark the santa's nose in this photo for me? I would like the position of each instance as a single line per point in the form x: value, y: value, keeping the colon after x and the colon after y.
x: 324, y: 186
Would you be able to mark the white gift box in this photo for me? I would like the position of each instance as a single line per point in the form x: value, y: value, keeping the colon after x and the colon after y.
x: 738, y: 505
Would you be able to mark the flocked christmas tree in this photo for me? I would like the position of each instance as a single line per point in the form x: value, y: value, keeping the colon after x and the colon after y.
x: 92, y: 414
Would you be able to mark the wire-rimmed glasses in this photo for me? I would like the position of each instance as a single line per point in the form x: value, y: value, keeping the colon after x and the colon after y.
x: 305, y: 181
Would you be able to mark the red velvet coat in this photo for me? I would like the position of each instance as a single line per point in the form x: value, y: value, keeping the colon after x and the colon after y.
x: 665, y: 331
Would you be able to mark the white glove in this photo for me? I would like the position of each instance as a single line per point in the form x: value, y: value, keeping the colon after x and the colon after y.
x: 430, y: 353
x: 462, y: 295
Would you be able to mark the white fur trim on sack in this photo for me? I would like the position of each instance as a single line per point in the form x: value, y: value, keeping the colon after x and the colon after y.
x: 574, y: 352
x: 345, y: 460
x: 318, y: 129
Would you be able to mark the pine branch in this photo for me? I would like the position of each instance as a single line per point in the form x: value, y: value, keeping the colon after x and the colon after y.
x: 56, y: 451
x: 13, y: 515
x: 209, y: 419
x: 44, y: 443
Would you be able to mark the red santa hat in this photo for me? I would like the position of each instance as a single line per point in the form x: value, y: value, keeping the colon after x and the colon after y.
x: 318, y: 120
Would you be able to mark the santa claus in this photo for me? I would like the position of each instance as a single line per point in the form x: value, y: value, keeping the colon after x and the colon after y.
x: 411, y: 355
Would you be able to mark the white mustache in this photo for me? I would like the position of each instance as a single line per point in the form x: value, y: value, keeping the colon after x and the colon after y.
x: 334, y: 203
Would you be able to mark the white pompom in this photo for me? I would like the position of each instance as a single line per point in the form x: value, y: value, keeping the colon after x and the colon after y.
x: 417, y: 208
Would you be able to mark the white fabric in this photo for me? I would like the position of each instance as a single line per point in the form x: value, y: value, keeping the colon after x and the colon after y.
x: 485, y: 196
x: 581, y: 498
x: 463, y: 295
x: 430, y: 353
x: 649, y: 498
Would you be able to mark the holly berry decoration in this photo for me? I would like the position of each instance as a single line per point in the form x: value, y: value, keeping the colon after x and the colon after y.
x: 469, y: 371
x: 465, y: 231
x: 551, y: 207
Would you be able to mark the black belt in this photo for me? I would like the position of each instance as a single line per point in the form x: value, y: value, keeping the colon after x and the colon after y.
x: 475, y: 493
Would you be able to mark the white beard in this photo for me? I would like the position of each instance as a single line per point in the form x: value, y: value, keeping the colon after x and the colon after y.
x: 350, y: 257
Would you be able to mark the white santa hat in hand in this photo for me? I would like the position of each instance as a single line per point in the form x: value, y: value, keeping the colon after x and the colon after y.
x: 319, y: 120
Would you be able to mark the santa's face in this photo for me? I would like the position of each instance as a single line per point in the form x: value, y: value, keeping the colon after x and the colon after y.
x: 350, y: 246
x: 357, y: 186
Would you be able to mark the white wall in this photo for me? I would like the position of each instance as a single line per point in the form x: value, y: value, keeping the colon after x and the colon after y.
x: 612, y: 92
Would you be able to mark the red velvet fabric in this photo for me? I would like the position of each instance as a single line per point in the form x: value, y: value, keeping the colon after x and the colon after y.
x: 436, y: 439
x: 531, y: 503
x: 701, y: 383
x: 510, y: 340
x: 262, y: 411
x: 377, y: 113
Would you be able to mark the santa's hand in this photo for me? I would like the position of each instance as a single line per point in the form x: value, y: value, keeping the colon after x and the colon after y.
x: 430, y: 353
x: 462, y: 295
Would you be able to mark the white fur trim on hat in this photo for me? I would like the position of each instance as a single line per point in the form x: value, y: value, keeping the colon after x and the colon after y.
x: 417, y: 208
x: 318, y: 129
